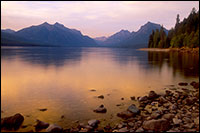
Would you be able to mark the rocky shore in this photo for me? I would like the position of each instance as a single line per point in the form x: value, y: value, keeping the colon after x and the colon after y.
x: 176, y: 110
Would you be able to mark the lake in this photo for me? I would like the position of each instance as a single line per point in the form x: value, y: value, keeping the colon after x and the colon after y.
x: 60, y: 79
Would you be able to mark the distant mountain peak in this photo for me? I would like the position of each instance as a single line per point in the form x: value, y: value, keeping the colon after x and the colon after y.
x: 45, y: 23
x: 58, y: 24
x: 121, y: 31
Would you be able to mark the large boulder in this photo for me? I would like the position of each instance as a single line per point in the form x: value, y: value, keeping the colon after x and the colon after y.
x: 156, y: 125
x: 12, y: 122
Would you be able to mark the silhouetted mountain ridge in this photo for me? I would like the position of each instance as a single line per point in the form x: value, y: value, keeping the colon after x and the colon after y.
x: 56, y: 34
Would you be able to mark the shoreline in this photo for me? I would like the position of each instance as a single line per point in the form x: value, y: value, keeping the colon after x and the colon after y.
x: 183, y: 49
x: 176, y: 110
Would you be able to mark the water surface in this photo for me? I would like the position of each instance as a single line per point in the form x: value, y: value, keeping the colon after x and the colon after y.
x: 60, y: 79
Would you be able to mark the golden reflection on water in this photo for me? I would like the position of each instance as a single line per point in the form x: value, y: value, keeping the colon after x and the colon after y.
x: 61, y: 80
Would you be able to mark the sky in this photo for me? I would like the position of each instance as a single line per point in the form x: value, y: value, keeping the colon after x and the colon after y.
x: 94, y: 18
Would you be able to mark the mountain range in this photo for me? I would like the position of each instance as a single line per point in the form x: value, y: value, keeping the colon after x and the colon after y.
x: 47, y: 35
x: 58, y: 35
x: 137, y: 39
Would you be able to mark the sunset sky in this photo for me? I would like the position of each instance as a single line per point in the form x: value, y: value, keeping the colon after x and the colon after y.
x: 94, y: 18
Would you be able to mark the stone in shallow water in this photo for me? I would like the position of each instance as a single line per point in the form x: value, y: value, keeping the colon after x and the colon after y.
x: 54, y: 128
x: 133, y: 109
x: 12, y: 122
x: 42, y: 109
x: 41, y: 125
x: 144, y: 98
x: 93, y: 122
x: 101, y: 96
x: 100, y: 109
x: 132, y: 98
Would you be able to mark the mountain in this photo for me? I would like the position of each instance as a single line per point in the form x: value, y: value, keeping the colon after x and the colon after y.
x: 54, y: 35
x: 8, y: 31
x: 117, y: 37
x: 140, y: 38
x: 99, y: 40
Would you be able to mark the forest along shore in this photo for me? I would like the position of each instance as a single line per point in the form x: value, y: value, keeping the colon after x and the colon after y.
x: 183, y: 49
x: 176, y: 110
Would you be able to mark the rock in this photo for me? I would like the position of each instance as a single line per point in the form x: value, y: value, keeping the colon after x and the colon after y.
x: 101, y: 96
x: 123, y: 129
x: 144, y: 98
x: 62, y: 116
x: 168, y: 116
x: 118, y: 104
x: 187, y: 120
x: 93, y: 123
x: 189, y: 125
x: 152, y: 95
x: 140, y: 130
x: 74, y: 130
x: 156, y: 125
x: 100, y: 109
x: 168, y: 93
x: 162, y: 100
x: 81, y: 125
x: 190, y: 101
x: 195, y: 84
x: 125, y: 114
x: 42, y: 109
x: 120, y: 125
x: 182, y: 84
x: 131, y: 124
x: 122, y: 98
x: 12, y: 122
x: 196, y: 121
x: 54, y: 128
x: 155, y: 115
x: 84, y: 130
x: 176, y: 121
x: 133, y: 109
x: 92, y: 90
x: 89, y: 128
x: 173, y: 107
x: 132, y: 98
x: 24, y: 126
x: 41, y: 125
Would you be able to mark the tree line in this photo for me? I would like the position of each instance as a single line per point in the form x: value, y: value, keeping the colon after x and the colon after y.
x: 184, y: 34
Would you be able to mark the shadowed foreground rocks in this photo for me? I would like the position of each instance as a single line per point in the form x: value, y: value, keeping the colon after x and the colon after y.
x: 12, y: 122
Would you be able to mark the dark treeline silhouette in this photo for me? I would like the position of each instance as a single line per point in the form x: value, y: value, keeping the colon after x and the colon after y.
x: 184, y: 34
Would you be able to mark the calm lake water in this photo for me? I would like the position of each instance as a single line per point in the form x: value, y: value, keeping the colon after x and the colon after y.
x: 60, y: 79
